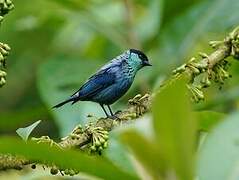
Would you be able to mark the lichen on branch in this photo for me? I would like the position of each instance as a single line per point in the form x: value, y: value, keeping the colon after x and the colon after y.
x: 7, y: 161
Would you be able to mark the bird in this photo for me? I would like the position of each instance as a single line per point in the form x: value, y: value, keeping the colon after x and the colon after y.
x: 111, y: 81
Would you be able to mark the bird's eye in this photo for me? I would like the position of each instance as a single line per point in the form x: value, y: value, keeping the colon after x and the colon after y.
x: 141, y: 57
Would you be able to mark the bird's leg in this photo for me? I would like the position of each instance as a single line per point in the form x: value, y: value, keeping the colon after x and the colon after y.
x: 104, y: 110
x: 112, y: 114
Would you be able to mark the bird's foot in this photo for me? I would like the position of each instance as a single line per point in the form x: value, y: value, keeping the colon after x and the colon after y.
x: 113, y: 117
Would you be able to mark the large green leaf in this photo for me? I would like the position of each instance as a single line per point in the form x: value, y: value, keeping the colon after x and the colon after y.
x: 219, y: 155
x: 146, y: 152
x: 120, y: 155
x: 175, y: 128
x: 67, y: 159
x: 208, y: 119
x: 176, y: 134
x: 142, y: 153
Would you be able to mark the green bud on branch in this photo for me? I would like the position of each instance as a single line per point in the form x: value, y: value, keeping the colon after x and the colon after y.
x: 212, y: 67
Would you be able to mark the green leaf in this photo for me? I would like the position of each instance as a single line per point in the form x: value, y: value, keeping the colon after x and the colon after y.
x: 24, y: 133
x: 118, y: 154
x: 77, y: 160
x: 219, y: 155
x: 145, y: 151
x: 208, y: 119
x: 175, y: 128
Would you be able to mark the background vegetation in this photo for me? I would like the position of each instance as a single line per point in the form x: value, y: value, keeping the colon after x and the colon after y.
x: 57, y: 44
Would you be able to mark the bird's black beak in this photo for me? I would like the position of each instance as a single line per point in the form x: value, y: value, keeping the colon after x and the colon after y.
x: 146, y: 63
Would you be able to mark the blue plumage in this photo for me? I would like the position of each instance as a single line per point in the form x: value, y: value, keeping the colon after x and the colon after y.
x: 112, y: 81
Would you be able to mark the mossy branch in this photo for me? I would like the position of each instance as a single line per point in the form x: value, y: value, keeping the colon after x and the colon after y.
x: 200, y: 72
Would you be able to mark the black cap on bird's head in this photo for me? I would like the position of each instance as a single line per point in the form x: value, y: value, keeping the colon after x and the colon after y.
x: 142, y: 56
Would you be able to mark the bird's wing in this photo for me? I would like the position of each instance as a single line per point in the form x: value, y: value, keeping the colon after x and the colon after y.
x: 96, y: 83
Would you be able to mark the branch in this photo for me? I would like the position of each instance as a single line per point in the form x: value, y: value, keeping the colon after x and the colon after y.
x: 210, y: 68
x: 8, y: 161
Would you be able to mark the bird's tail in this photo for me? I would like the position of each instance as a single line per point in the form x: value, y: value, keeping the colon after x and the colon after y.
x: 64, y: 102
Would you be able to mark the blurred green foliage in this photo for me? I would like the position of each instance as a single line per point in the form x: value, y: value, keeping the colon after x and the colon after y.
x: 221, y: 145
x: 66, y: 159
x: 174, y: 123
x: 57, y: 44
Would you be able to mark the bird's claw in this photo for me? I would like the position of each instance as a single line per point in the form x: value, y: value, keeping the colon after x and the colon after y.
x: 114, y: 117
